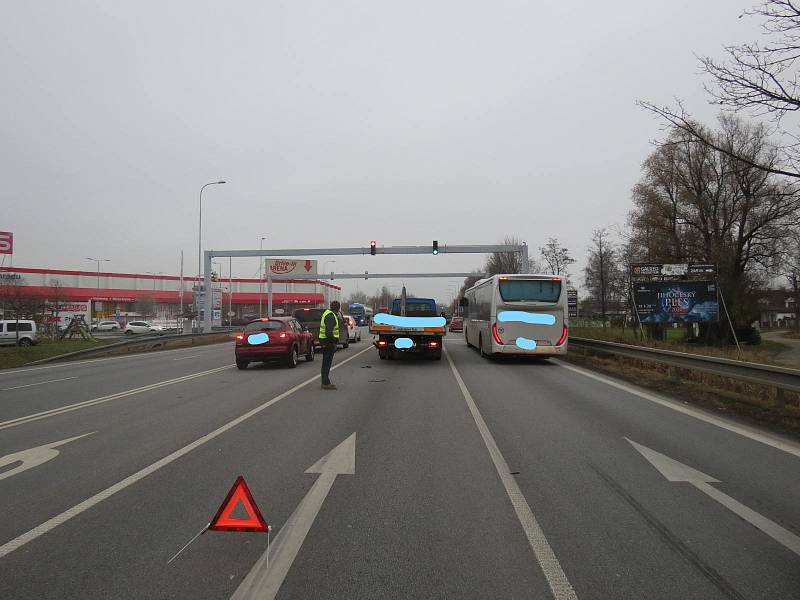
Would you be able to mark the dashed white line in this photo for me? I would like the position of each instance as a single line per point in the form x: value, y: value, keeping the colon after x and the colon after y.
x: 187, y: 357
x: 27, y: 385
x: 94, y: 401
x: 551, y: 567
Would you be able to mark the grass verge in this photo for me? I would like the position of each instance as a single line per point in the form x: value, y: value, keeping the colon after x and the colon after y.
x: 765, y: 353
x: 753, y: 404
x: 17, y: 356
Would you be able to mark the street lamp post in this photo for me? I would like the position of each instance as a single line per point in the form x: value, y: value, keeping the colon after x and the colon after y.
x: 154, y: 279
x: 97, y: 293
x: 200, y: 237
x: 260, y: 275
x: 327, y: 288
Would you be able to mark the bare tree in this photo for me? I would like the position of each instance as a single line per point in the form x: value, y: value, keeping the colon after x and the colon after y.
x: 760, y: 78
x: 791, y: 271
x: 556, y: 257
x: 505, y: 262
x: 16, y: 297
x: 697, y: 204
x: 602, y: 273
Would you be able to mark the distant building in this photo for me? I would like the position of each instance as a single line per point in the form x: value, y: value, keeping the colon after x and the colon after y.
x: 126, y: 296
x: 776, y: 308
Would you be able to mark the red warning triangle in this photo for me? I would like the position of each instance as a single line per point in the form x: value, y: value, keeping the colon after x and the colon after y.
x: 223, y: 521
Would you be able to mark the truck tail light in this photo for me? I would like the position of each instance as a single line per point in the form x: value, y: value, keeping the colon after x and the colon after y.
x: 433, y: 344
x: 495, y: 334
x: 381, y: 342
x: 563, y: 337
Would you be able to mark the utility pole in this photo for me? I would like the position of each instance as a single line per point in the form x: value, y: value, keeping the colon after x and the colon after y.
x: 260, y: 276
x: 97, y: 293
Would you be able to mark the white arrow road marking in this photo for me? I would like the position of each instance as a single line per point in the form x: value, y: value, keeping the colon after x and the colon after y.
x: 673, y: 470
x: 33, y: 457
x: 27, y: 385
x: 267, y: 575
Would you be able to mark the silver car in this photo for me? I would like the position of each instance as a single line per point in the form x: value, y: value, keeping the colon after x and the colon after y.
x: 22, y: 333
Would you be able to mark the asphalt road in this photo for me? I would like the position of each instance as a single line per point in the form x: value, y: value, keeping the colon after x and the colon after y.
x: 473, y: 479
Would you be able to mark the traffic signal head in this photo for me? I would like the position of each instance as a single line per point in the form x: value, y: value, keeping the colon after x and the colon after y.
x: 435, y: 247
x: 372, y: 246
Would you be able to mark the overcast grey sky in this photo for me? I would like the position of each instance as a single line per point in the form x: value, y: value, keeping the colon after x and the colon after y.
x: 334, y: 123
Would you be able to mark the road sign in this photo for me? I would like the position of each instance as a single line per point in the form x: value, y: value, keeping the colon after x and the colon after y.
x: 572, y: 304
x: 6, y: 242
x: 238, y: 494
x: 282, y: 266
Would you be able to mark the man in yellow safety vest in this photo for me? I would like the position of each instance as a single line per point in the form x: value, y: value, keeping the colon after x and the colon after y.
x: 328, y: 339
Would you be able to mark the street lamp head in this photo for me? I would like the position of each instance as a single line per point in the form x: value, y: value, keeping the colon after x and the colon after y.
x: 221, y: 181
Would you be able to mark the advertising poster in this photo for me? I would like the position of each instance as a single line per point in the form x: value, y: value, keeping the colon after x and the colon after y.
x: 676, y: 301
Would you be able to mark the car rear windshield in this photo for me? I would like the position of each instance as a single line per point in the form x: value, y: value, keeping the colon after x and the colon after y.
x: 264, y: 326
x: 307, y: 316
x: 530, y: 290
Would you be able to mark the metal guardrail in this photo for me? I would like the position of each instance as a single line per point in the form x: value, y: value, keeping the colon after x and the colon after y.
x: 141, y: 343
x: 781, y: 378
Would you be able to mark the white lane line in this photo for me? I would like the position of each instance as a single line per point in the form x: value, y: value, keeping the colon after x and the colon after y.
x: 90, y: 361
x: 551, y: 567
x: 86, y: 403
x: 187, y: 357
x: 19, y: 387
x: 744, y: 431
x: 65, y: 516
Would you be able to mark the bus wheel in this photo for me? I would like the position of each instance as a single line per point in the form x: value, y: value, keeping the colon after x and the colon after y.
x: 480, y: 347
x: 466, y: 336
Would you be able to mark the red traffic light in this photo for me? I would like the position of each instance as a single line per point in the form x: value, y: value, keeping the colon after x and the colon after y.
x: 372, y: 246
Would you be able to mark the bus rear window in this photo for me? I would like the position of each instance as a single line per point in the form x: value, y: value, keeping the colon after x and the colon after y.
x: 530, y: 290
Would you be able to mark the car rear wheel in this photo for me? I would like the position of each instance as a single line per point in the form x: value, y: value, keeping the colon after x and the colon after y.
x: 291, y: 360
x: 241, y: 364
x: 128, y: 332
x: 310, y: 354
x: 25, y: 342
x: 480, y: 347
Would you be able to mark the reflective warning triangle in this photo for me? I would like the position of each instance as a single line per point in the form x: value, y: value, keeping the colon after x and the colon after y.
x: 223, y: 521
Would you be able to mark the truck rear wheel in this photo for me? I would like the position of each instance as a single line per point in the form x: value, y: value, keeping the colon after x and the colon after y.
x: 382, y: 353
x: 436, y: 355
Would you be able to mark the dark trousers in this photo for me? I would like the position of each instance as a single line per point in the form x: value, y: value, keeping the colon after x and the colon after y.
x: 328, y: 350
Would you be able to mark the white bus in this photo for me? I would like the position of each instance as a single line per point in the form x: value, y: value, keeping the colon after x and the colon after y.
x: 517, y: 314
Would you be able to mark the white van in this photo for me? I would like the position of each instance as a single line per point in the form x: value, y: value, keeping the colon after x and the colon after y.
x: 9, y: 333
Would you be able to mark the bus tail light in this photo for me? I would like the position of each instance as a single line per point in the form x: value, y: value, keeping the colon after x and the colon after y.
x: 495, y: 334
x: 563, y: 337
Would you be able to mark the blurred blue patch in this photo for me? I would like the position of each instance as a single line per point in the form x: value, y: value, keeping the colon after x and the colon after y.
x: 403, y: 343
x: 255, y: 339
x: 525, y: 343
x: 396, y: 321
x: 519, y: 316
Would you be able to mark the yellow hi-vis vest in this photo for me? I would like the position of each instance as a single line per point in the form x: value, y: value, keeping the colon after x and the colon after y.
x: 324, y: 334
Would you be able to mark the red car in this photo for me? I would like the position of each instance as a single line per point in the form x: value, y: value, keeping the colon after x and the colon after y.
x: 457, y: 324
x: 281, y: 339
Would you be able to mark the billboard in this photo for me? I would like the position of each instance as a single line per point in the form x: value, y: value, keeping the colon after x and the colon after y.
x: 6, y: 242
x: 676, y: 301
x: 665, y: 271
x: 282, y: 266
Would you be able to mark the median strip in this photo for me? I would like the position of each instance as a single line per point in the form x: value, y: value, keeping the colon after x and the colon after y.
x: 87, y: 403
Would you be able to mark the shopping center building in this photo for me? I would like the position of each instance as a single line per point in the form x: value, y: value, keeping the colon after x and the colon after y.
x: 63, y: 294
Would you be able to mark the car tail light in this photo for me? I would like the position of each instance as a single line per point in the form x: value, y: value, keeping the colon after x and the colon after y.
x: 563, y: 337
x: 283, y: 335
x: 495, y: 334
x: 240, y: 339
